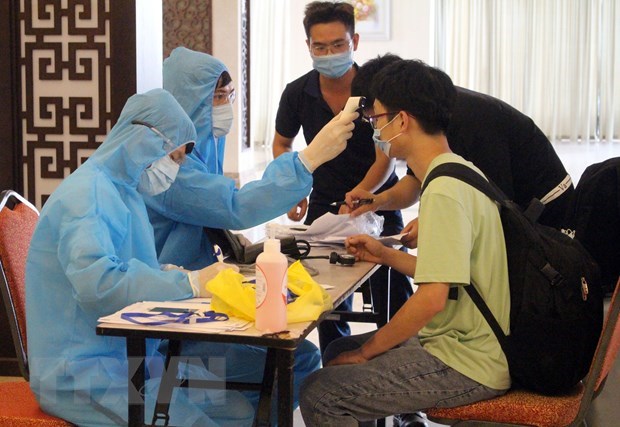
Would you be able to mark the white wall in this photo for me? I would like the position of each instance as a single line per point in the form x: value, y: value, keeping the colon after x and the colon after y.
x: 227, y: 48
x: 411, y: 26
x: 149, y: 55
x: 410, y: 37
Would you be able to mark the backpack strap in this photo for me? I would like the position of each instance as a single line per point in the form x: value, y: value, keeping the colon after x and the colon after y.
x: 473, y: 178
x: 486, y: 312
x: 469, y: 176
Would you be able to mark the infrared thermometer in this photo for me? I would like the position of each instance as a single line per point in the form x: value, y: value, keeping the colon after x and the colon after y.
x: 354, y: 103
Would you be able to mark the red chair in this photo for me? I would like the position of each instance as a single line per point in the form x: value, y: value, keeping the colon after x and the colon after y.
x: 519, y: 407
x: 18, y: 218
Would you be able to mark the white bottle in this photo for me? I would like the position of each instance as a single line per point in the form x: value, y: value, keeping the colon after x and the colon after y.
x: 271, y: 290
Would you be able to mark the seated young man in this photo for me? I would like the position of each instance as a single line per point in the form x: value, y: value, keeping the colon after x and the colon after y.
x: 438, y: 350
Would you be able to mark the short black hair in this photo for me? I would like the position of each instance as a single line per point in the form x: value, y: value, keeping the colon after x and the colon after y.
x: 324, y: 12
x: 362, y: 82
x: 425, y: 92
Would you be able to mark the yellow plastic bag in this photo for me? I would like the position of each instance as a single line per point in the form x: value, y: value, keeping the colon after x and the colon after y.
x: 236, y: 298
x: 311, y: 301
x: 233, y: 296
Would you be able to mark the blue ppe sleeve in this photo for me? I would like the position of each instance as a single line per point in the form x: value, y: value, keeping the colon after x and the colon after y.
x: 209, y: 200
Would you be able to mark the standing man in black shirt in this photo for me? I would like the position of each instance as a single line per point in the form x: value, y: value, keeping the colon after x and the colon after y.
x: 309, y: 103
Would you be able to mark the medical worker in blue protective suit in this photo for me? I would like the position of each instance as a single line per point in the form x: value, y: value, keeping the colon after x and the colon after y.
x: 93, y: 253
x: 204, y: 88
x: 200, y: 198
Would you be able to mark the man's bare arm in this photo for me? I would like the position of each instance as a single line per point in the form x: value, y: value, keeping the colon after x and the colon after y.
x: 281, y: 144
x: 402, y: 195
x: 424, y: 304
x: 378, y: 172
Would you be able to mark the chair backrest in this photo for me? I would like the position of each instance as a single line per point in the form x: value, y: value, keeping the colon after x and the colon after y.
x: 18, y: 219
x: 606, y: 353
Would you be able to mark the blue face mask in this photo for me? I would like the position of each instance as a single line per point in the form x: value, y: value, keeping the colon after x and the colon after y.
x: 383, y: 145
x: 222, y: 119
x: 333, y: 66
x: 158, y: 177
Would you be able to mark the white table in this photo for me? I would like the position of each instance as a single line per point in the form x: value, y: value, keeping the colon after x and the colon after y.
x: 281, y: 347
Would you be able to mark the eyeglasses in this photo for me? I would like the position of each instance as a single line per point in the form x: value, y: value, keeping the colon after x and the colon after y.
x: 374, y: 118
x: 222, y: 97
x: 168, y: 145
x: 339, y: 46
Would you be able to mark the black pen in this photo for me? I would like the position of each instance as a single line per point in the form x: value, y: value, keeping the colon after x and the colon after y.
x: 358, y: 202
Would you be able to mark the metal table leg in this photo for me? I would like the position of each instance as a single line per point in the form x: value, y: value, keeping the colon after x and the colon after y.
x: 136, y: 352
x: 263, y: 411
x: 285, y: 362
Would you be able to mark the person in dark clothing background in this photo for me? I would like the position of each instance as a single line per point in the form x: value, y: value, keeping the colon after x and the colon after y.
x: 311, y: 101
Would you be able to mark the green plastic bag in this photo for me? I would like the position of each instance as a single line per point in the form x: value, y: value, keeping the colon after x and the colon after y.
x: 233, y: 296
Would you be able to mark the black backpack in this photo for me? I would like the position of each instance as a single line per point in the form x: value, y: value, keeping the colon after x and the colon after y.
x: 556, y: 304
x: 594, y: 217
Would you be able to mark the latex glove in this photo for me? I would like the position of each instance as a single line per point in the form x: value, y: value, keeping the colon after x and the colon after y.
x: 168, y: 267
x: 329, y: 142
x: 199, y: 278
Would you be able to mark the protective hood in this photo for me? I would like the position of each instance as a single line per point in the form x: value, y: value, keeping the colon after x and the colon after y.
x: 191, y: 77
x: 131, y: 148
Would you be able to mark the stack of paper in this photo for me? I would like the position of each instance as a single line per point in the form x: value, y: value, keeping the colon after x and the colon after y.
x: 194, y: 305
x: 334, y: 229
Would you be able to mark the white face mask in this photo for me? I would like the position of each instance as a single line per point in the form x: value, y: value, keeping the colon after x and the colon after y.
x: 384, y: 146
x: 222, y: 119
x: 158, y: 177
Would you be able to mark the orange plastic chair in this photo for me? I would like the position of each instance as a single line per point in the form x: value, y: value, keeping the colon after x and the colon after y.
x: 18, y: 218
x: 520, y: 407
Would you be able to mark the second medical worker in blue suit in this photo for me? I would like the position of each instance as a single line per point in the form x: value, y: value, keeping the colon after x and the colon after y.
x: 201, y: 197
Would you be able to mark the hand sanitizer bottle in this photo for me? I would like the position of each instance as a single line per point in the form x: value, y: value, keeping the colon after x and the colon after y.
x: 271, y: 290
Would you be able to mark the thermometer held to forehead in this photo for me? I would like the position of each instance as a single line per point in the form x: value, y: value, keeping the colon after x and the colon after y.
x: 354, y: 103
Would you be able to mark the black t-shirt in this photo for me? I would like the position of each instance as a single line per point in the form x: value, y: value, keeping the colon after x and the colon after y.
x: 510, y: 149
x: 302, y: 105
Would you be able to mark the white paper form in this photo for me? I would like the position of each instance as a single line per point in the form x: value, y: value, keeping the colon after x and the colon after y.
x: 197, y: 304
x: 329, y: 228
x: 332, y: 229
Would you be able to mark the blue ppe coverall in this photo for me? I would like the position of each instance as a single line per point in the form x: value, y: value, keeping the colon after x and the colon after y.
x: 191, y: 77
x: 93, y: 253
x: 199, y: 199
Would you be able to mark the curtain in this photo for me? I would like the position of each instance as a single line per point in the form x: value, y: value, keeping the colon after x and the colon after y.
x: 269, y: 42
x: 556, y: 61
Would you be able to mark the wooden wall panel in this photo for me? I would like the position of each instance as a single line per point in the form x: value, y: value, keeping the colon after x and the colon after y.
x: 9, y: 96
x: 187, y: 23
x: 67, y: 69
